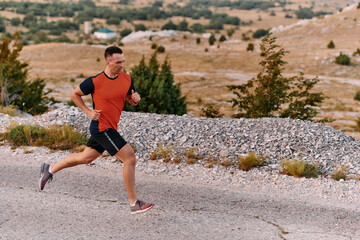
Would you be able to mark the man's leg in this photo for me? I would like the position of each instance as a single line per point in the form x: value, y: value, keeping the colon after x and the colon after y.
x: 127, y: 156
x: 85, y: 157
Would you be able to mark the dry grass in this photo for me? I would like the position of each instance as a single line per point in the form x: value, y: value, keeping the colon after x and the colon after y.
x: 192, y: 156
x: 340, y: 172
x: 26, y: 151
x: 54, y: 137
x: 153, y: 155
x: 176, y: 160
x: 10, y: 110
x: 210, y: 162
x: 190, y: 161
x: 162, y: 152
x: 226, y: 163
x: 251, y: 161
x: 190, y: 153
x: 297, y: 168
x: 165, y: 152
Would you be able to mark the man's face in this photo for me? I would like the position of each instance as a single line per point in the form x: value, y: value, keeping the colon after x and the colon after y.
x: 115, y: 62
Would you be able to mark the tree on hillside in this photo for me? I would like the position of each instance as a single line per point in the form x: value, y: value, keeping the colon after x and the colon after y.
x: 272, y: 95
x: 15, y: 89
x: 156, y: 86
x: 13, y: 73
x: 169, y: 26
x: 183, y: 26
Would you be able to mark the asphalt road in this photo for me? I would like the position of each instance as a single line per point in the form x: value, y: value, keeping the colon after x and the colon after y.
x: 87, y: 202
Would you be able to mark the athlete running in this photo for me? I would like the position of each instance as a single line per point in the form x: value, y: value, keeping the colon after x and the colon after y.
x: 109, y: 89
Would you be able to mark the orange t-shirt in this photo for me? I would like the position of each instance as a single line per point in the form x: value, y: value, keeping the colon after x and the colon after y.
x: 108, y: 95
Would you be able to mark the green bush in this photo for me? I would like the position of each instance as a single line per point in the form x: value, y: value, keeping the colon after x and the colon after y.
x: 183, y: 26
x: 154, y: 46
x: 299, y: 168
x: 160, y: 49
x: 222, y: 38
x: 211, y: 112
x: 260, y: 33
x: 250, y: 47
x: 357, y: 96
x: 343, y: 59
x: 331, y: 45
x: 27, y: 96
x: 113, y: 21
x: 125, y: 32
x: 15, y: 21
x: 251, y: 161
x: 230, y: 32
x: 25, y: 135
x: 357, y: 52
x: 54, y: 137
x: 212, y: 39
x: 169, y: 26
x: 272, y: 95
x: 198, y: 28
x: 140, y: 27
x: 159, y: 94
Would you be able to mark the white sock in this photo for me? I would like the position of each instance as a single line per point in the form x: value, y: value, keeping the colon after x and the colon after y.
x: 50, y: 170
x: 133, y: 203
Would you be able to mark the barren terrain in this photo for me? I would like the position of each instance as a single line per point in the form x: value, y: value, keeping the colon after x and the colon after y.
x: 204, y: 75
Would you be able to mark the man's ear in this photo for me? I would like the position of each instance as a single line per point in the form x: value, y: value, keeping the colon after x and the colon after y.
x: 107, y: 60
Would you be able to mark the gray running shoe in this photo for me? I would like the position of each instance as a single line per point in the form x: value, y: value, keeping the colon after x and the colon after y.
x: 45, y: 175
x: 141, y: 207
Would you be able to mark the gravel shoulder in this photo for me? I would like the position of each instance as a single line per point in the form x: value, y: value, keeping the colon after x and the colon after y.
x: 89, y: 202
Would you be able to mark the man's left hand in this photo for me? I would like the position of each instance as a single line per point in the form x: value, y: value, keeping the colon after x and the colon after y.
x: 135, y: 97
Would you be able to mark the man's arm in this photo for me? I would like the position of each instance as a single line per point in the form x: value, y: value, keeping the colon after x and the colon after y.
x: 76, y: 96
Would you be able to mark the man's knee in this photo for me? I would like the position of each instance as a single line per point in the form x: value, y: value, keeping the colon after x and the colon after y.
x: 87, y: 156
x: 127, y: 155
x: 87, y: 160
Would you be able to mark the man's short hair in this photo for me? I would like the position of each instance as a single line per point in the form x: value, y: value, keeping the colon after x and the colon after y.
x: 111, y: 50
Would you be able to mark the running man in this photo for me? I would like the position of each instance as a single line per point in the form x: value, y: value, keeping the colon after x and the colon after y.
x: 109, y: 89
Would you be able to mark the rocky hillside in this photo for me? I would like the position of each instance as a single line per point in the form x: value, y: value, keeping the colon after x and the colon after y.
x: 223, y: 138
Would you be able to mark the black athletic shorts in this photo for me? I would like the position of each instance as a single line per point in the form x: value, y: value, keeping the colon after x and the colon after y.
x: 109, y: 140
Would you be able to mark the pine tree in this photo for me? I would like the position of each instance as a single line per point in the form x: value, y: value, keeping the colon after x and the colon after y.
x: 272, y: 95
x: 28, y: 96
x: 13, y: 73
x: 156, y: 88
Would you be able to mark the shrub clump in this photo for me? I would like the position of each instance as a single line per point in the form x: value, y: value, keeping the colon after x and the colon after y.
x: 260, y: 33
x: 160, y: 49
x: 251, y: 161
x: 54, y: 137
x: 357, y: 96
x: 331, y: 45
x: 211, y: 112
x: 340, y: 172
x: 343, y: 59
x: 250, y: 47
x: 154, y: 46
x: 357, y: 52
x: 299, y: 168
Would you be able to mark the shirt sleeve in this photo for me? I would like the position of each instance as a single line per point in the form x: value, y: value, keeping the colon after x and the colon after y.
x: 87, y: 86
x: 131, y: 87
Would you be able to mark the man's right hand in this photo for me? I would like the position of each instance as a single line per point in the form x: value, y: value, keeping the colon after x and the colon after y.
x: 94, y: 114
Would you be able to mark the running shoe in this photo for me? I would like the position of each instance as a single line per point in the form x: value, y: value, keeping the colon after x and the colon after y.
x: 45, y: 175
x: 141, y: 207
